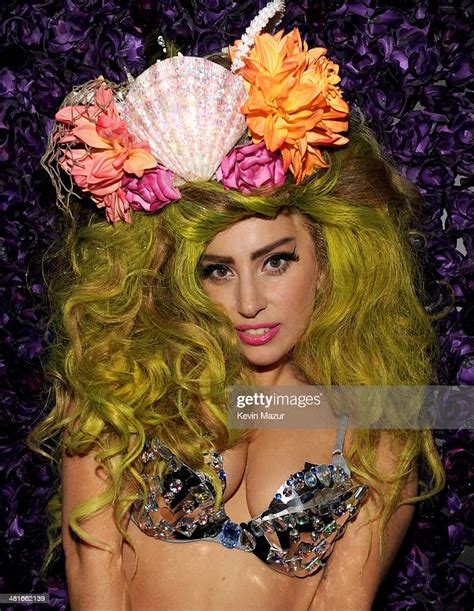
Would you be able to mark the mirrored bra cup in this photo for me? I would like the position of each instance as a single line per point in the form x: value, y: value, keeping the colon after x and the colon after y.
x: 294, y: 536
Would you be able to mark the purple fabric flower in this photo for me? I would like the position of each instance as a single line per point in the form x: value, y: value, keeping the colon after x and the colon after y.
x: 461, y: 212
x: 450, y: 586
x: 251, y: 166
x: 446, y: 258
x: 414, y: 139
x: 151, y: 192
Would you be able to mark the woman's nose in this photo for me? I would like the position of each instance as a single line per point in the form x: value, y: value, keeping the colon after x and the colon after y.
x: 251, y: 298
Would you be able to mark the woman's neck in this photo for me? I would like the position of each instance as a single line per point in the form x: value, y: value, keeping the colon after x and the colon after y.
x: 282, y: 374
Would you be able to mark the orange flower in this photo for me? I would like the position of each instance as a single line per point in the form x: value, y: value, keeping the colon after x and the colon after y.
x: 102, y: 151
x: 294, y: 104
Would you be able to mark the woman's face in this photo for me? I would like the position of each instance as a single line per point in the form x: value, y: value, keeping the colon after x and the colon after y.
x: 265, y: 274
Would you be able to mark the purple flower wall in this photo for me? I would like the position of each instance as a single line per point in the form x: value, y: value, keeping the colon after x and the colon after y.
x: 404, y: 63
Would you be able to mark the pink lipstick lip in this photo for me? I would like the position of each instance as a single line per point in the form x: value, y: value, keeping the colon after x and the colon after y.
x: 258, y: 340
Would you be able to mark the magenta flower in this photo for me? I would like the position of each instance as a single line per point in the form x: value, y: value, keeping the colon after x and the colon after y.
x: 152, y: 191
x: 251, y: 166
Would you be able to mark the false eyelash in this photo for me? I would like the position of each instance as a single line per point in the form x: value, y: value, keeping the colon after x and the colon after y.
x: 206, y: 270
x: 287, y: 256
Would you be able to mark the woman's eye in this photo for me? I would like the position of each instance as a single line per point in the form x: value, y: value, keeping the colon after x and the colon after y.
x: 279, y: 263
x: 275, y: 262
x: 215, y: 272
x: 221, y: 272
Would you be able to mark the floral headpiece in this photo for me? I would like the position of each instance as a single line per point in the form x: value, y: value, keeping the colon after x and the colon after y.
x: 187, y: 118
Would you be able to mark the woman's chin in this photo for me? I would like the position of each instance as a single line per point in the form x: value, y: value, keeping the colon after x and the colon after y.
x: 261, y: 363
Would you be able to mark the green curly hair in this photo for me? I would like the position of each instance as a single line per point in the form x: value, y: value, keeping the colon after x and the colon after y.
x: 140, y: 349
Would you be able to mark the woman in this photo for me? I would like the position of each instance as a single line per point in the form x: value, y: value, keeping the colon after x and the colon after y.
x: 153, y: 325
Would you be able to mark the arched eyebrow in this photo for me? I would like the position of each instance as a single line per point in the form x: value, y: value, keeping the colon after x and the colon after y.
x: 255, y: 255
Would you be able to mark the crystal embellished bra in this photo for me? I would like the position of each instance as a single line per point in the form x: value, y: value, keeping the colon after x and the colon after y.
x: 294, y: 536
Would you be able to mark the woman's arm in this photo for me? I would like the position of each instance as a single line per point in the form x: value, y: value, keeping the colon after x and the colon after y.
x: 95, y: 577
x: 349, y: 583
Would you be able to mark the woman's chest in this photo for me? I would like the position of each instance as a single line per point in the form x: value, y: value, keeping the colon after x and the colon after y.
x: 256, y: 471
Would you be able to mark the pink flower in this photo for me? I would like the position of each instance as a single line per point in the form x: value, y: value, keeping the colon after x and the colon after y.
x: 116, y: 206
x: 97, y: 150
x: 251, y: 166
x: 151, y: 192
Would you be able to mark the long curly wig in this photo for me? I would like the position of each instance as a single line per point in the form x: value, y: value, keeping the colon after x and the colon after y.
x: 140, y: 349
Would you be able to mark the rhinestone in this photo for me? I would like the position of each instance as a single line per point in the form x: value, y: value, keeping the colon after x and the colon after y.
x: 202, y: 496
x: 340, y: 477
x: 361, y: 492
x: 151, y: 504
x: 278, y: 496
x: 304, y: 549
x: 247, y: 540
x: 324, y: 475
x: 326, y: 494
x: 147, y: 456
x: 268, y: 527
x: 320, y: 547
x: 202, y: 519
x: 229, y: 536
x: 164, y: 452
x: 274, y: 557
x: 314, y: 562
x: 188, y: 506
x: 219, y: 514
x: 175, y: 464
x: 287, y: 491
x: 330, y: 528
x: 176, y: 485
x: 293, y: 565
x: 186, y: 526
x: 310, y: 479
x: 145, y: 522
x: 302, y: 518
x: 168, y: 497
x: 294, y: 534
x: 155, y: 445
x: 280, y: 524
x: 323, y: 509
x: 216, y: 463
x: 352, y: 509
x: 299, y: 484
x: 163, y: 529
x: 256, y: 529
x: 318, y: 523
x: 346, y: 495
x: 291, y: 520
x: 314, y: 535
x: 154, y: 484
x: 315, y: 506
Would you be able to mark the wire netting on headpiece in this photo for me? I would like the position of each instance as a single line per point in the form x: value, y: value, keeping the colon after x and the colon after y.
x: 63, y: 152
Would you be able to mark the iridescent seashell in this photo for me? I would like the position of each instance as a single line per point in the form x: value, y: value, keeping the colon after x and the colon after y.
x: 188, y: 110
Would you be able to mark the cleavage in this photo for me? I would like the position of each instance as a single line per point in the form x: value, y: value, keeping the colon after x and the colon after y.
x: 255, y: 471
